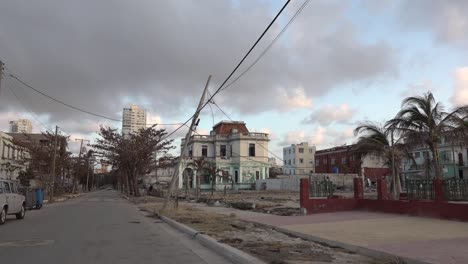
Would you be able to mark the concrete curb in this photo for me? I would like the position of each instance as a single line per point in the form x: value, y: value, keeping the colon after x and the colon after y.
x: 377, y: 254
x: 234, y: 255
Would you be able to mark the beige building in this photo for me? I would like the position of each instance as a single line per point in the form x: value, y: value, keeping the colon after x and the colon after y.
x: 21, y: 126
x: 133, y: 119
x: 298, y: 159
x: 238, y: 154
x: 11, y: 158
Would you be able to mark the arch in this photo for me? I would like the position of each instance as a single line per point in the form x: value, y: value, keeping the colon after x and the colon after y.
x: 188, y: 177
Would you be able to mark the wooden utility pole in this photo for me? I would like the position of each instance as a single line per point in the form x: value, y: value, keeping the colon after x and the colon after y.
x: 194, y: 123
x: 53, y: 165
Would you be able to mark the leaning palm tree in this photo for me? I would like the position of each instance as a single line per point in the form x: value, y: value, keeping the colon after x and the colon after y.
x: 380, y: 141
x: 423, y: 122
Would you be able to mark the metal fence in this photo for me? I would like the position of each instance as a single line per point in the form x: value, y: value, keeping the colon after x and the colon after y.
x: 420, y: 189
x: 322, y: 188
x: 456, y: 189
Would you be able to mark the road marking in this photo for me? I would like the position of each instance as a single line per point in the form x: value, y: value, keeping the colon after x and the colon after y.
x: 22, y: 243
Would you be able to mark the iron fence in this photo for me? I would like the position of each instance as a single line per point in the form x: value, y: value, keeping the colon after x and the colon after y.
x: 324, y: 188
x: 420, y: 189
x: 456, y: 189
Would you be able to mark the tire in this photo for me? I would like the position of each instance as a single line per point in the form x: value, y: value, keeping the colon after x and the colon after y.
x: 22, y: 213
x: 3, y: 215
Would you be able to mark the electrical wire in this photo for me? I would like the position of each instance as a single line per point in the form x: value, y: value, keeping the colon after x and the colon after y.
x: 235, y: 69
x: 269, y: 46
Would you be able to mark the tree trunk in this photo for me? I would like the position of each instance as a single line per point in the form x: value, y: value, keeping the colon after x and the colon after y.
x: 198, y: 185
x: 436, y: 162
x: 127, y: 185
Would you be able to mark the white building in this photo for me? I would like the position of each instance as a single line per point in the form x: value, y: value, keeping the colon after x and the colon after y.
x: 236, y: 152
x: 21, y: 126
x: 133, y: 119
x: 11, y: 158
x: 298, y: 159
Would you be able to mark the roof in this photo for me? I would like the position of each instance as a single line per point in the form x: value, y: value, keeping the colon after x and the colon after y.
x: 334, y: 149
x: 28, y: 137
x: 226, y: 127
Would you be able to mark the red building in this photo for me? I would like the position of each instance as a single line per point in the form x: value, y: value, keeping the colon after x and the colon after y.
x: 344, y: 159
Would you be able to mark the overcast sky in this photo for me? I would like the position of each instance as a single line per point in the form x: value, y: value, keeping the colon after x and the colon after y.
x: 339, y: 63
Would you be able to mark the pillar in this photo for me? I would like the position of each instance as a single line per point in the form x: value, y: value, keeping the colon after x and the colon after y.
x: 382, y: 189
x: 358, y: 188
x: 304, y: 192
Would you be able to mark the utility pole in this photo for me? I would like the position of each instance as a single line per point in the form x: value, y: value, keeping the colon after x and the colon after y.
x: 194, y: 123
x: 53, y: 165
x: 81, y: 149
x: 2, y: 69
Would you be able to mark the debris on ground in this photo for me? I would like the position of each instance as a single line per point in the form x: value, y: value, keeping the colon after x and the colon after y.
x: 258, y: 240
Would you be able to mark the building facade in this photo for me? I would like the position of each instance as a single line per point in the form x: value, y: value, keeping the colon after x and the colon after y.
x: 344, y: 160
x: 21, y: 126
x: 11, y: 159
x: 299, y: 159
x: 453, y: 160
x: 133, y: 119
x: 238, y: 154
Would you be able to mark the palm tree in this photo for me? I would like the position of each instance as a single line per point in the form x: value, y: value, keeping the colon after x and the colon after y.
x: 379, y: 141
x: 423, y: 122
x: 199, y: 165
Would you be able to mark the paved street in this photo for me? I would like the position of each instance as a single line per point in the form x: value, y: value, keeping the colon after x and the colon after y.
x: 99, y: 227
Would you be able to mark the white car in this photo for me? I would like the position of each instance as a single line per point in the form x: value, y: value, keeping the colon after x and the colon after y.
x: 11, y: 202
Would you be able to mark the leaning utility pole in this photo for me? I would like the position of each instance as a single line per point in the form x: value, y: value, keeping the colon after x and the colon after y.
x: 194, y: 123
x: 53, y: 165
x: 79, y: 156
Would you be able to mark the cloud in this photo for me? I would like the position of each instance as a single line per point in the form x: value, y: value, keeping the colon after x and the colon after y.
x: 322, y: 137
x: 460, y: 94
x: 291, y: 99
x: 447, y: 20
x: 329, y: 114
x: 159, y: 54
x: 415, y: 89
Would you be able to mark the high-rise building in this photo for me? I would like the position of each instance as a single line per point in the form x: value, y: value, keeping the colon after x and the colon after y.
x: 21, y: 126
x: 133, y: 119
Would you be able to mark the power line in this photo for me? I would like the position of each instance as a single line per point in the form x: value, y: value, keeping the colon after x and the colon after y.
x: 270, y: 45
x: 61, y: 102
x: 235, y: 69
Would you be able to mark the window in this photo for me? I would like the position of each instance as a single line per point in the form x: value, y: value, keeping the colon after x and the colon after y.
x: 294, y: 161
x: 1, y: 187
x: 289, y: 162
x: 222, y: 150
x: 311, y: 151
x: 332, y: 161
x: 294, y: 151
x: 257, y: 175
x: 285, y: 163
x: 252, y: 150
x: 325, y: 161
x: 425, y: 154
x: 343, y: 160
x: 190, y: 152
x: 231, y: 150
x: 301, y: 161
x: 301, y: 150
x: 317, y: 162
x: 204, y: 151
x: 417, y: 155
x: 311, y: 171
x: 6, y: 187
x: 289, y: 150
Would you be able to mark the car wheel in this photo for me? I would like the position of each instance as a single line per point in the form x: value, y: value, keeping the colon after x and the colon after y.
x: 22, y: 213
x: 3, y: 215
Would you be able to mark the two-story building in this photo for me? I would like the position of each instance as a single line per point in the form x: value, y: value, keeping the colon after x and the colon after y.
x: 299, y: 159
x: 11, y: 158
x: 237, y: 153
x: 344, y: 159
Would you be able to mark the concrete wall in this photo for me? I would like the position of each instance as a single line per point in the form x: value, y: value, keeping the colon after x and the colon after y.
x: 292, y: 182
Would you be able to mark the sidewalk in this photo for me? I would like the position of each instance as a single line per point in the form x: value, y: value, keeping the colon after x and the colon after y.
x: 426, y: 239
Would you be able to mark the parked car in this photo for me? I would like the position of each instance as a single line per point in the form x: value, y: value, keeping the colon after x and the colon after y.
x: 11, y: 202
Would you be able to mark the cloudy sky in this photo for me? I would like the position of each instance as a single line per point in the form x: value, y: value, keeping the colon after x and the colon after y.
x: 339, y: 62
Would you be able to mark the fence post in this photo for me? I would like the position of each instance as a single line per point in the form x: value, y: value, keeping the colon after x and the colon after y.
x: 304, y: 192
x: 382, y: 190
x: 358, y: 189
x: 439, y: 190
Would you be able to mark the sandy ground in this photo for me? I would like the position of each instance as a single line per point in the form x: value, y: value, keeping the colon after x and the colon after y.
x: 264, y: 243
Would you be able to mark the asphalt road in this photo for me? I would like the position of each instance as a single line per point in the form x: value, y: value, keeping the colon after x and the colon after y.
x: 99, y: 227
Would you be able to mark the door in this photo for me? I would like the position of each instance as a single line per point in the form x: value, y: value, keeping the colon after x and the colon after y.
x: 236, y: 176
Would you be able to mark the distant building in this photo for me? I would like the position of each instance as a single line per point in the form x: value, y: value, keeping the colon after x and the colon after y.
x: 298, y: 159
x: 236, y: 152
x: 272, y: 161
x: 344, y: 159
x: 133, y: 119
x: 21, y: 126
